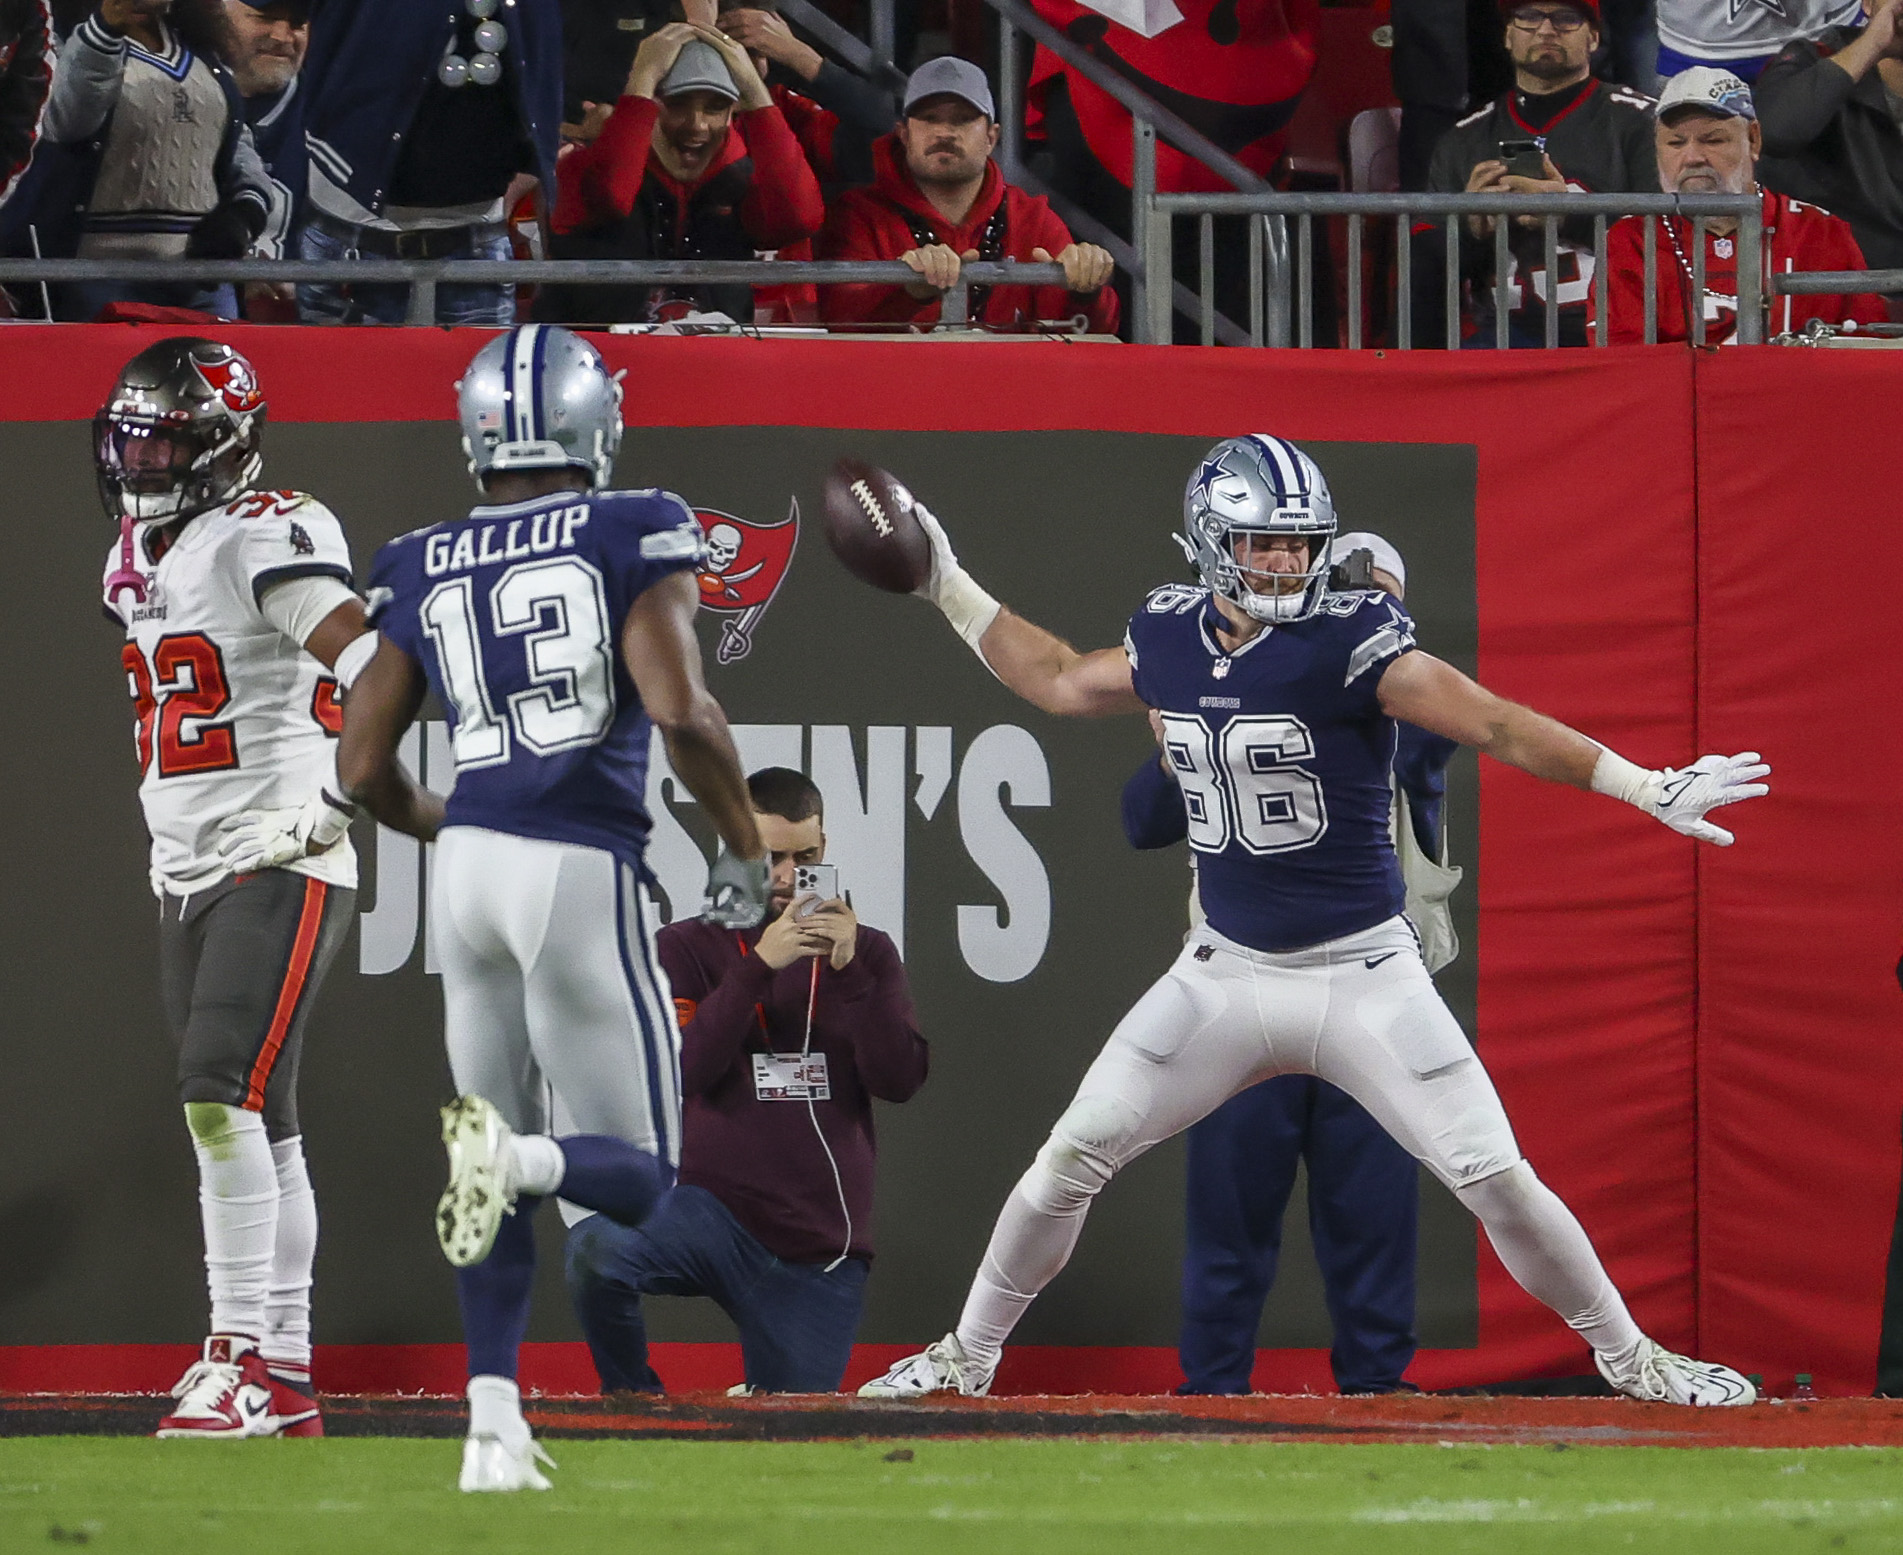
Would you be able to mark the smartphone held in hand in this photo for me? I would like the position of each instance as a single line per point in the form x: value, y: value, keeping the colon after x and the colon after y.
x: 814, y: 884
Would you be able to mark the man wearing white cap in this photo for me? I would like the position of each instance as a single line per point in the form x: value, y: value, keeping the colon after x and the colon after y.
x: 1708, y: 143
x: 938, y: 201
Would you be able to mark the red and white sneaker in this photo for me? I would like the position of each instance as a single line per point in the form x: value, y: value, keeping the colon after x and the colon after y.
x: 294, y: 1407
x: 225, y: 1393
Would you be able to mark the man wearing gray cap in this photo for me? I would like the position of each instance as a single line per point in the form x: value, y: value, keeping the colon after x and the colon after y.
x: 1708, y: 143
x: 695, y: 162
x: 938, y: 201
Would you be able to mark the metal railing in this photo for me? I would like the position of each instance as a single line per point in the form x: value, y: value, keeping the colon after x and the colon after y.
x: 1149, y: 120
x: 424, y: 276
x: 1281, y: 317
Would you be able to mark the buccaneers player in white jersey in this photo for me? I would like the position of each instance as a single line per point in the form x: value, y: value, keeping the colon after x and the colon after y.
x: 240, y: 620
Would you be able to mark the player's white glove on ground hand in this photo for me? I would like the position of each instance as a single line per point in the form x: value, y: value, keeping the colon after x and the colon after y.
x: 736, y: 892
x: 266, y: 839
x: 1681, y: 797
x: 967, y: 606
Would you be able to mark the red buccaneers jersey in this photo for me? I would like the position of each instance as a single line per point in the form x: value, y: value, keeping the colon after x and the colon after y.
x: 1796, y: 237
x: 230, y: 714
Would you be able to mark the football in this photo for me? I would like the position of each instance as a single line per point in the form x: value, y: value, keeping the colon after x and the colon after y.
x: 871, y: 526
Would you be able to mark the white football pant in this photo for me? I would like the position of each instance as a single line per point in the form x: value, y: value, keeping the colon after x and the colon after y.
x: 1360, y: 1012
x: 554, y: 1002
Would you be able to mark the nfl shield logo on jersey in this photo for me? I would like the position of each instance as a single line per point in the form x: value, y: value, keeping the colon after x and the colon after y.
x: 745, y: 566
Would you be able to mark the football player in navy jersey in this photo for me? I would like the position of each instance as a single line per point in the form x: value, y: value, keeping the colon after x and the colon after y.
x: 556, y: 626
x: 1278, y: 701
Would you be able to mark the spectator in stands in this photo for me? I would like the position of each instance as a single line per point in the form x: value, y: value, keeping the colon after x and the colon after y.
x: 419, y: 117
x: 268, y: 42
x: 939, y: 201
x: 694, y: 162
x: 1741, y: 38
x: 151, y: 157
x: 1708, y: 142
x: 1586, y: 135
x: 26, y: 72
x: 1830, y: 110
x: 788, y: 1033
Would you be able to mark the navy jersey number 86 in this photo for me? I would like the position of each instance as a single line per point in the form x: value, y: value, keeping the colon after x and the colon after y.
x: 1283, y: 755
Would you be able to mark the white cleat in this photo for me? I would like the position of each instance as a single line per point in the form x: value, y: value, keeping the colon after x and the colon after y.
x: 491, y: 1464
x: 481, y: 1183
x: 938, y: 1368
x: 1657, y: 1376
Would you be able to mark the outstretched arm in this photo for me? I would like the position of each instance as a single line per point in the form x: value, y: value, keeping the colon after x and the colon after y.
x: 1039, y: 665
x: 663, y: 657
x: 1419, y: 689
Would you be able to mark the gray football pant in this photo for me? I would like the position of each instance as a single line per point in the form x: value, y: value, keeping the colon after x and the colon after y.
x: 555, y: 1007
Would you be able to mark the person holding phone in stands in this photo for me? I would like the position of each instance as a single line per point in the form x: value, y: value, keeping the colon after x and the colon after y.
x: 789, y: 1031
x: 1557, y: 129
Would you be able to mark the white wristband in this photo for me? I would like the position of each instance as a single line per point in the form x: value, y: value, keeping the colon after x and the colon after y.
x: 1618, y: 778
x: 967, y: 606
x: 356, y: 653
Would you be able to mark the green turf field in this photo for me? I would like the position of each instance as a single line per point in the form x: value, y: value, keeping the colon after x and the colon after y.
x: 1051, y: 1497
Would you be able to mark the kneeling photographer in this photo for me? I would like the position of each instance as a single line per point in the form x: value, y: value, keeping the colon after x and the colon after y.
x: 788, y: 1033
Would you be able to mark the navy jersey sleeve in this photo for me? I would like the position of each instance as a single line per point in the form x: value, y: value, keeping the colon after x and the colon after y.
x: 1171, y: 600
x: 1375, y: 632
x: 642, y: 537
x: 392, y: 598
x: 1154, y: 815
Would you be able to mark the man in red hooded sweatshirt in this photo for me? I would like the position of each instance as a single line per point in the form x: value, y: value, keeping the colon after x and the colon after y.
x: 695, y: 162
x: 938, y: 201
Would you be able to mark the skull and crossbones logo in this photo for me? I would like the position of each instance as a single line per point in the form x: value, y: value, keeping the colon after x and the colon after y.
x: 723, y: 550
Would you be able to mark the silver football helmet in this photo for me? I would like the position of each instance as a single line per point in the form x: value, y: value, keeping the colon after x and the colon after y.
x: 540, y: 398
x: 1258, y: 485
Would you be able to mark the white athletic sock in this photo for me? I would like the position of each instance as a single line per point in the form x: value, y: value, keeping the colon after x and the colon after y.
x: 539, y: 1165
x: 1036, y: 1233
x: 238, y: 1202
x: 1546, y: 1249
x: 287, y: 1308
x: 495, y: 1409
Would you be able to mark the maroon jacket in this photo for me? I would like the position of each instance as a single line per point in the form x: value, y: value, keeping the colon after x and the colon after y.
x: 761, y: 1158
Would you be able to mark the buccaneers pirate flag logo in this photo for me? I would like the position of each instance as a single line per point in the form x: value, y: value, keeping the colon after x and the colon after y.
x: 746, y: 564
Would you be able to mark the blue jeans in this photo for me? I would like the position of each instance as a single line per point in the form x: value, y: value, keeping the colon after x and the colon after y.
x: 796, y: 1321
x: 1362, y: 1212
x: 387, y: 304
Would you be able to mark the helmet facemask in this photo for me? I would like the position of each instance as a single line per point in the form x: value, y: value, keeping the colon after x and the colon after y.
x: 1259, y: 485
x: 157, y: 466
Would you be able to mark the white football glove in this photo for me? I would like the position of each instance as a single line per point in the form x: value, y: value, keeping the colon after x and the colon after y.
x: 736, y: 891
x: 266, y: 839
x: 1681, y: 797
x: 967, y: 606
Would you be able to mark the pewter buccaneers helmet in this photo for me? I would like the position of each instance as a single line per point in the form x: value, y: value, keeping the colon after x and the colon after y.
x: 180, y: 432
x: 540, y: 398
x: 1258, y: 484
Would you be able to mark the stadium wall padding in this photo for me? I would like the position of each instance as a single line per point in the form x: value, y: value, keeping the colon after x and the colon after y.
x: 1698, y: 1047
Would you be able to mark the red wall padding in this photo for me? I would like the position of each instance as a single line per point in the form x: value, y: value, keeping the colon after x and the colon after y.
x: 1698, y: 1049
x: 1800, y: 1022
